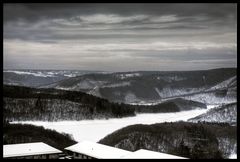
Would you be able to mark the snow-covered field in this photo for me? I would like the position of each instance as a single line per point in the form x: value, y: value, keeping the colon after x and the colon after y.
x: 94, y: 130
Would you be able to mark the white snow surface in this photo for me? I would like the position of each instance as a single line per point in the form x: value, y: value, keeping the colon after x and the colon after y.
x: 146, y: 154
x: 124, y: 76
x: 158, y: 92
x: 95, y: 130
x: 26, y: 149
x: 170, y: 78
x: 70, y: 75
x: 233, y: 156
x: 37, y: 74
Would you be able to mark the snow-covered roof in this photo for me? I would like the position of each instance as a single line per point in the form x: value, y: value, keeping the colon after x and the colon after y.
x: 146, y: 154
x: 97, y: 150
x: 27, y: 149
x: 101, y: 151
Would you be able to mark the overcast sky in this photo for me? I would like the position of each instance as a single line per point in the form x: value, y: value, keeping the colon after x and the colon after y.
x: 120, y: 37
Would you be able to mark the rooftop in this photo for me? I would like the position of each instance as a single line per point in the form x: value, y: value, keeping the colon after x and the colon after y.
x: 97, y: 150
x: 146, y: 154
x: 101, y: 151
x: 27, y: 149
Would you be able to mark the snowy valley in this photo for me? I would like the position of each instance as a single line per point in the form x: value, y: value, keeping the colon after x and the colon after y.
x: 83, y: 103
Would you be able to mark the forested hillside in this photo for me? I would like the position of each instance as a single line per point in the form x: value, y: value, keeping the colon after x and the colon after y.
x: 21, y: 103
x: 223, y: 114
x: 173, y: 105
x: 192, y: 140
x: 18, y: 133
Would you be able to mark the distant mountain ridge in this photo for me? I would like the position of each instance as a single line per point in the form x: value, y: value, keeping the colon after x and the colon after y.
x: 152, y: 87
x: 36, y: 78
x: 140, y: 87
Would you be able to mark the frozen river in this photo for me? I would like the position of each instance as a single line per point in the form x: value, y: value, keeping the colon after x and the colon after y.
x: 94, y: 130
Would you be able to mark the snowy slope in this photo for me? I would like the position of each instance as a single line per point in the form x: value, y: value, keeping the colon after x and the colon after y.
x: 227, y: 83
x: 226, y: 113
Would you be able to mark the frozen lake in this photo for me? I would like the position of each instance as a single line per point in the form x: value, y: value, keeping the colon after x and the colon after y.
x: 94, y: 130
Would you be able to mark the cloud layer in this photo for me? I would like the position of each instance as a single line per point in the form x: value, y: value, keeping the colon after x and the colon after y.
x: 120, y: 37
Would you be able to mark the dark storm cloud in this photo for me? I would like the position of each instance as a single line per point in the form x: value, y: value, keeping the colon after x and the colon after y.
x: 33, y: 12
x: 90, y: 35
x: 181, y: 16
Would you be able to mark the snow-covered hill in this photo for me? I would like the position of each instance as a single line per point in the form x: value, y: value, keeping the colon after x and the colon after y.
x: 192, y: 140
x: 153, y: 87
x: 225, y: 113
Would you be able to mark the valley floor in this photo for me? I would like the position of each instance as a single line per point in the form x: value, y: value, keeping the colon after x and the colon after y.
x: 95, y: 130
